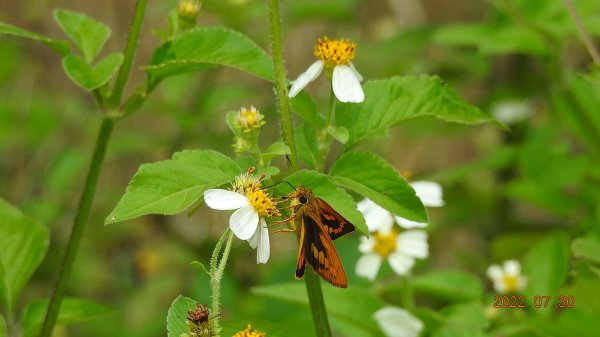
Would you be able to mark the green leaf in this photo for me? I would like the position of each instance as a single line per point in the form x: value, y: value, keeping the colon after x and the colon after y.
x: 303, y: 105
x: 352, y: 305
x: 3, y: 330
x: 393, y: 100
x: 60, y: 46
x: 177, y: 316
x: 90, y: 78
x: 340, y: 133
x: 24, y: 243
x: 469, y: 314
x: 306, y: 144
x: 72, y: 310
x: 88, y: 34
x: 587, y: 248
x: 545, y: 267
x: 200, y: 266
x: 451, y: 285
x: 171, y: 186
x: 203, y: 48
x: 274, y: 150
x: 372, y: 176
x: 324, y: 187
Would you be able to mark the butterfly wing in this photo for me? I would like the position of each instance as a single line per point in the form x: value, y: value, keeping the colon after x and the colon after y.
x: 333, y: 222
x: 317, y: 249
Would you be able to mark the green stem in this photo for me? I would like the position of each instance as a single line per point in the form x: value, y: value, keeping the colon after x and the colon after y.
x: 281, y: 90
x: 130, y: 49
x: 313, y: 285
x: 79, y: 224
x: 216, y: 273
x: 585, y: 37
x: 408, y: 300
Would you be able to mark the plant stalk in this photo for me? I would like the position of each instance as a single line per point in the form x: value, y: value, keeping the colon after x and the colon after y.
x: 81, y: 218
x: 585, y: 37
x: 313, y: 285
x: 216, y: 273
x: 281, y: 91
x: 130, y: 48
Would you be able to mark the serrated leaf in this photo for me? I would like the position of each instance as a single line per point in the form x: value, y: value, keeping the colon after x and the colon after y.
x: 60, y: 46
x: 171, y: 186
x: 393, y: 100
x: 587, y: 248
x: 72, y: 310
x: 451, y: 285
x: 90, y: 78
x: 352, y: 305
x: 545, y: 266
x: 306, y: 145
x: 177, y: 316
x: 203, y: 48
x: 24, y: 243
x: 87, y: 33
x: 371, y: 176
x: 325, y: 188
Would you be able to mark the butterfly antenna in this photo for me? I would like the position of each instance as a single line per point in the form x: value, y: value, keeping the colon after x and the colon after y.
x: 281, y: 182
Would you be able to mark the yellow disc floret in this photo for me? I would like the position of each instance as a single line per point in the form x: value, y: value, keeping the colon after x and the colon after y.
x: 261, y: 201
x: 335, y: 51
x: 511, y: 283
x: 385, y: 243
x: 249, y: 118
x: 248, y: 332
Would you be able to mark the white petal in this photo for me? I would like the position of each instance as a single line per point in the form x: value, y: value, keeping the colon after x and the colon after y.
x: 224, y: 200
x: 346, y: 85
x: 243, y: 222
x: 408, y: 224
x: 400, y: 263
x: 253, y: 241
x: 429, y: 192
x: 376, y: 217
x: 396, y: 322
x: 495, y: 272
x: 306, y: 77
x: 413, y: 243
x: 368, y: 266
x: 366, y: 244
x: 264, y: 250
x: 499, y: 286
x: 358, y: 75
x: 522, y: 282
x: 512, y: 267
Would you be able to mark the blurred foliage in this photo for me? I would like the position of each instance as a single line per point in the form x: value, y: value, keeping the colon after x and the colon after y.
x: 531, y: 193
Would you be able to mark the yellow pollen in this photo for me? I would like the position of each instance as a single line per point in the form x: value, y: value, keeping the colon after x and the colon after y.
x: 249, y: 118
x: 511, y: 283
x: 385, y: 243
x: 248, y: 332
x: 335, y: 51
x: 260, y: 200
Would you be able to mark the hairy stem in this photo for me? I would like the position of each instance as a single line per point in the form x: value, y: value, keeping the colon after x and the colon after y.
x: 313, y: 285
x: 281, y: 91
x: 585, y: 36
x: 130, y: 49
x: 216, y: 273
x: 79, y: 224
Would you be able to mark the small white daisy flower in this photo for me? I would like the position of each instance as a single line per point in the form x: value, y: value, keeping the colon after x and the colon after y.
x: 508, y: 278
x: 252, y: 205
x: 397, y: 322
x: 400, y: 248
x: 345, y: 80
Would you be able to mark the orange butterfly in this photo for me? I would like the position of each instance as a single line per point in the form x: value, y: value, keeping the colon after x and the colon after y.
x: 319, y: 225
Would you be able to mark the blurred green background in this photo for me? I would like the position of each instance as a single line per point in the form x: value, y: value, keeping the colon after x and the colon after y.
x: 503, y: 190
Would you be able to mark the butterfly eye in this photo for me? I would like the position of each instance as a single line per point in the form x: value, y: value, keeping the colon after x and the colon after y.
x: 303, y: 199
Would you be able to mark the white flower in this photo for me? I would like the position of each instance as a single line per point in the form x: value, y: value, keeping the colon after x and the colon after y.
x: 511, y: 112
x: 251, y: 205
x: 399, y: 248
x: 397, y: 322
x: 345, y: 80
x: 508, y: 278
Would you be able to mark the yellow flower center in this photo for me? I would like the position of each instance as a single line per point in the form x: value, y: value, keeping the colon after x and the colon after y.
x: 249, y: 118
x: 260, y: 200
x: 248, y: 332
x: 511, y: 283
x: 385, y: 243
x: 335, y: 51
x: 188, y: 8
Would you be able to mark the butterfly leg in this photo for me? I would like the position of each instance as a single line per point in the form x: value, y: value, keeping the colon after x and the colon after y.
x: 284, y: 230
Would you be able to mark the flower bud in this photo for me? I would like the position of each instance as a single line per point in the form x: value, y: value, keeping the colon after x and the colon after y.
x: 188, y: 9
x: 248, y: 119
